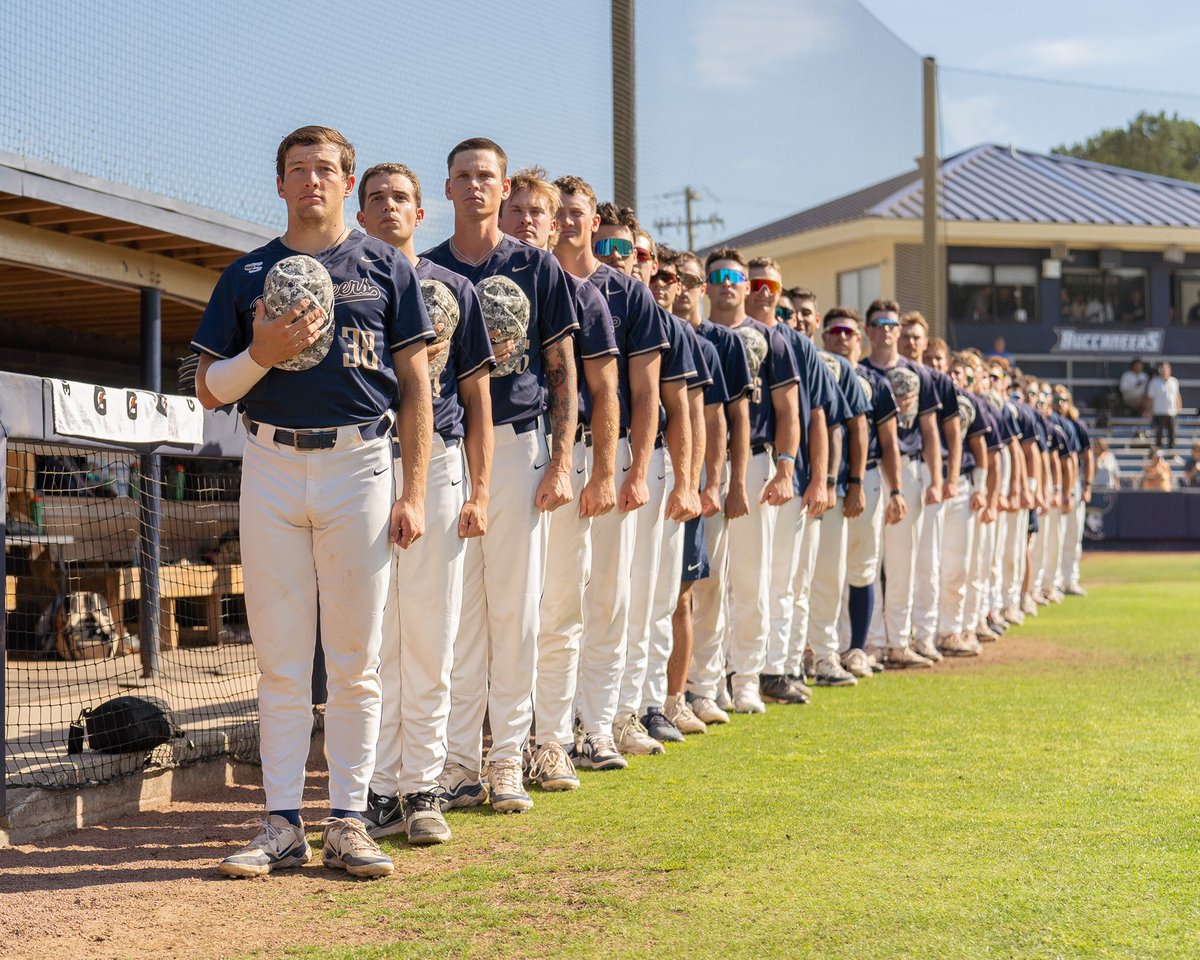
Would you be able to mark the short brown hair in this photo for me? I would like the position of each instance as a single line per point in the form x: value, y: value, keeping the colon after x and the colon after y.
x: 842, y: 313
x: 570, y: 186
x: 629, y: 219
x: 938, y: 345
x: 882, y: 306
x: 764, y: 263
x: 724, y: 253
x: 479, y: 143
x: 802, y: 293
x: 388, y: 170
x: 536, y: 180
x: 311, y: 136
x: 610, y: 216
x: 690, y: 258
x: 914, y: 319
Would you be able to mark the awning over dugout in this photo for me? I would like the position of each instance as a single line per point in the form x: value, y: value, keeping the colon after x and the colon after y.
x: 76, y: 253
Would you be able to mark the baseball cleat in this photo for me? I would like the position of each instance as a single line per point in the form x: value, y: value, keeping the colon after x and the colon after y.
x: 830, y: 673
x: 346, y: 845
x: 706, y: 710
x: 856, y: 663
x: 384, y: 815
x: 423, y: 821
x: 551, y: 768
x: 633, y: 739
x: 926, y: 648
x: 460, y: 787
x: 776, y: 688
x: 902, y: 658
x: 505, y: 787
x: 280, y: 845
x: 746, y: 698
x: 682, y: 716
x: 597, y: 751
x: 660, y: 728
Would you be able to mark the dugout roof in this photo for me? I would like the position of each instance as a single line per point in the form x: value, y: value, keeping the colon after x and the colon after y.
x: 75, y: 252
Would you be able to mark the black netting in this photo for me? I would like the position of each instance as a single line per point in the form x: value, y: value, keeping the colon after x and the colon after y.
x: 80, y: 606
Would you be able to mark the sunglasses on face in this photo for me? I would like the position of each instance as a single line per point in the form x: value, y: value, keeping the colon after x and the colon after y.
x: 885, y: 323
x: 644, y: 255
x: 665, y: 278
x: 759, y: 284
x: 995, y: 376
x: 718, y: 277
x: 784, y: 313
x: 842, y: 332
x: 610, y: 245
x: 690, y: 281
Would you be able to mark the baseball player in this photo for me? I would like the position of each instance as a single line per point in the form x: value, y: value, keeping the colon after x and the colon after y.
x: 418, y: 649
x: 526, y: 299
x: 670, y: 469
x: 918, y: 407
x: 727, y: 451
x: 317, y: 505
x: 914, y: 342
x: 530, y: 214
x: 640, y: 345
x: 774, y: 434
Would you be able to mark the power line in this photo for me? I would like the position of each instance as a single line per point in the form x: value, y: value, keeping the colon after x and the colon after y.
x: 689, y: 221
x: 1106, y: 88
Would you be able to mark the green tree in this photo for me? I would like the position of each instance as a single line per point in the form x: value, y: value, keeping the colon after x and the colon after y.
x: 1152, y: 143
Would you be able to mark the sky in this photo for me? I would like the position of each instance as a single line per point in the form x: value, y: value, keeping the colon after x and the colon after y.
x: 765, y: 107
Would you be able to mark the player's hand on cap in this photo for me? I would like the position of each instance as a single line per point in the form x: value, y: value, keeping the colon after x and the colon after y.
x: 555, y: 488
x: 503, y: 349
x: 634, y: 494
x: 472, y: 519
x: 407, y: 523
x: 598, y: 497
x: 287, y: 335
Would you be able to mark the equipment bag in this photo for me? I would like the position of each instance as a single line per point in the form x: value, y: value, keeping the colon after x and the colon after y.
x: 124, y: 725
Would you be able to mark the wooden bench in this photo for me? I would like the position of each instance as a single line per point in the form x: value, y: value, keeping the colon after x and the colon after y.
x: 180, y: 580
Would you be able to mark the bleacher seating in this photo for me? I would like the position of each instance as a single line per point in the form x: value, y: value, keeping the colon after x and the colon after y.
x: 1131, y: 438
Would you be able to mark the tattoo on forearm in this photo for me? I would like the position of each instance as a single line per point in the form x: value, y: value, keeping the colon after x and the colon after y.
x: 561, y: 387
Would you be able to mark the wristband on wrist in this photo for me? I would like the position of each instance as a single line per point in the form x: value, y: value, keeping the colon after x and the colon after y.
x: 784, y: 456
x: 895, y: 493
x: 854, y: 481
x: 830, y: 480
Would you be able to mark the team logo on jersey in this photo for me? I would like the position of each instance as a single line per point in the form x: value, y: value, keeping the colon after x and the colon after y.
x: 506, y: 313
x: 756, y: 354
x: 966, y: 410
x: 906, y: 385
x: 356, y: 290
x: 832, y: 365
x: 253, y: 267
x: 442, y: 307
x: 868, y: 388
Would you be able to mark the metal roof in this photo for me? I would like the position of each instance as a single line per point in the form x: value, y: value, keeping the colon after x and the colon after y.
x: 995, y: 184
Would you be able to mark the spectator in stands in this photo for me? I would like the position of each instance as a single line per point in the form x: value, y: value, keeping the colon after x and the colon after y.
x: 1108, y: 469
x: 1191, y: 469
x: 1163, y: 393
x: 999, y: 349
x: 1133, y: 385
x: 1156, y: 474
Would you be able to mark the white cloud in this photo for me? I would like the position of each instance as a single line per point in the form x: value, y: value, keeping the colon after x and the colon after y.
x: 1118, y: 51
x: 970, y: 121
x: 733, y: 46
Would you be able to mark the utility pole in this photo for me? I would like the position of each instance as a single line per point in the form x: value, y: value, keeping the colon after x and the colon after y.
x: 624, y: 92
x: 689, y: 221
x: 933, y: 286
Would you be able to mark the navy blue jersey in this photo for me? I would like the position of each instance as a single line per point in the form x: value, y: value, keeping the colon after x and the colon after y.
x: 944, y: 388
x: 851, y: 402
x: 1060, y: 443
x: 679, y: 361
x: 525, y: 297
x: 636, y: 325
x: 883, y: 406
x: 716, y: 390
x: 1069, y: 433
x: 735, y: 369
x: 772, y: 366
x: 702, y: 378
x: 1026, y: 419
x: 377, y: 308
x: 995, y: 433
x: 912, y: 401
x: 470, y: 348
x: 974, y: 424
x: 1081, y: 431
x: 593, y: 339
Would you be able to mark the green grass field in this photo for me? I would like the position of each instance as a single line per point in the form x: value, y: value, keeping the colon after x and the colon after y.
x: 1039, y: 802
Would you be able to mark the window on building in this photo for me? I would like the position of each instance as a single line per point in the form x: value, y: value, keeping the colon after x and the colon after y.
x: 1187, y: 299
x: 984, y: 293
x: 1097, y: 297
x: 858, y: 288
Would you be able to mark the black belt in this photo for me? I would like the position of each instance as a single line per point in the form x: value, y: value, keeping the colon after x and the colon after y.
x: 870, y: 465
x: 658, y: 442
x: 582, y: 433
x: 916, y: 457
x: 319, y: 439
x: 757, y: 448
x: 525, y: 426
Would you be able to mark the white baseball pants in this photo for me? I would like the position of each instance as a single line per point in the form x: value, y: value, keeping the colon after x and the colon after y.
x: 864, y: 536
x: 317, y: 520
x: 666, y: 598
x: 958, y: 539
x: 928, y: 573
x: 891, y: 620
x: 786, y: 542
x: 707, y: 668
x: 828, y: 584
x: 750, y: 551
